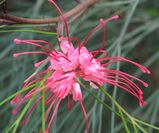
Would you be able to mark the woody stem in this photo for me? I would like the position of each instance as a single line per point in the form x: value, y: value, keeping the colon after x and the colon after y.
x: 10, y: 19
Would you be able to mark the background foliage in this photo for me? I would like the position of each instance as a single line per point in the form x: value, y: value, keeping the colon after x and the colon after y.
x: 135, y: 36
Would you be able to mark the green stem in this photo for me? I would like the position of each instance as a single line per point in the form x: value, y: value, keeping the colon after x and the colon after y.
x: 98, y: 99
x: 124, y: 121
x: 113, y: 100
x: 16, y: 123
x: 146, y: 124
x: 26, y: 30
x: 135, y: 122
x: 134, y: 126
x: 121, y: 109
x: 19, y: 92
x: 23, y: 112
x: 43, y: 111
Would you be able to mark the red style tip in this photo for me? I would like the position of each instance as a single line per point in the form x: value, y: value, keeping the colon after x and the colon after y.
x: 103, y: 22
x: 12, y: 102
x: 36, y: 64
x: 24, y: 123
x: 144, y: 69
x: 16, y: 55
x: 142, y: 103
x: 49, y: 0
x: 145, y: 85
x: 116, y: 17
x: 28, y: 96
x: 112, y: 18
x: 17, y: 41
x: 148, y: 71
x: 14, y: 112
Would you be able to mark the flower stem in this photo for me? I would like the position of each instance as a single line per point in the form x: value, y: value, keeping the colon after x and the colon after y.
x: 98, y: 99
x: 124, y: 122
x: 43, y: 111
x: 28, y: 30
x: 19, y: 92
x: 122, y: 112
x: 16, y: 123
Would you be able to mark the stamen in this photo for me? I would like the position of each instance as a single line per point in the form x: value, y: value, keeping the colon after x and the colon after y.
x: 49, y: 99
x: 16, y: 99
x: 128, y: 75
x: 35, y: 75
x: 101, y: 51
x: 64, y: 19
x: 85, y: 115
x: 53, y: 115
x: 41, y: 62
x: 17, y: 41
x: 45, y: 42
x: 70, y: 104
x: 133, y: 89
x: 49, y: 109
x: 97, y: 27
x: 14, y: 111
x: 118, y: 58
x: 32, y: 93
x: 32, y: 82
x: 33, y: 52
x: 104, y: 37
x: 31, y: 110
x: 124, y: 88
x: 76, y: 39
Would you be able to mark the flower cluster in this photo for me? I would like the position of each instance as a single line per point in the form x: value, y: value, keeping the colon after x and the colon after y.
x: 71, y: 63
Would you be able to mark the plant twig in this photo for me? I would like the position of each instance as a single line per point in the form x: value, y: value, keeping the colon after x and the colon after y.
x: 20, y: 20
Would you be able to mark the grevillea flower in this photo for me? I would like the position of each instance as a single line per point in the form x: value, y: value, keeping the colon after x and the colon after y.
x: 71, y: 63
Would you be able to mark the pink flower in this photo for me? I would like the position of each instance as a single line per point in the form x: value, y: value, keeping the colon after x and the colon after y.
x: 71, y: 63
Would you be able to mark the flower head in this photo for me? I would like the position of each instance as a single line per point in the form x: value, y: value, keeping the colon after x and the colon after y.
x: 71, y: 63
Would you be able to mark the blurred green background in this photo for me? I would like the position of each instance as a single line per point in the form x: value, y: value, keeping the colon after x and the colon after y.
x: 134, y: 36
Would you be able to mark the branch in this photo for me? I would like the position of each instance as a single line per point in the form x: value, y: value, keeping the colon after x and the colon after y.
x: 10, y: 19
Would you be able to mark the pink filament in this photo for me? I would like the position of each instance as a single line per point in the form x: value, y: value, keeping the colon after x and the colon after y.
x: 97, y: 27
x: 124, y: 88
x: 33, y: 52
x: 104, y: 37
x: 63, y: 17
x: 17, y: 41
x: 70, y: 104
x: 50, y: 98
x: 95, y: 53
x: 132, y: 88
x: 45, y: 42
x: 31, y: 110
x: 49, y: 109
x: 16, y: 99
x: 57, y: 80
x: 76, y: 39
x: 118, y: 58
x: 34, y: 92
x: 14, y: 112
x: 125, y: 74
x: 53, y: 115
x: 85, y: 115
x: 41, y: 62
x: 35, y: 75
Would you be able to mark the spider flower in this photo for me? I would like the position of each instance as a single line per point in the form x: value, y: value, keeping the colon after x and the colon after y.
x: 70, y: 63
